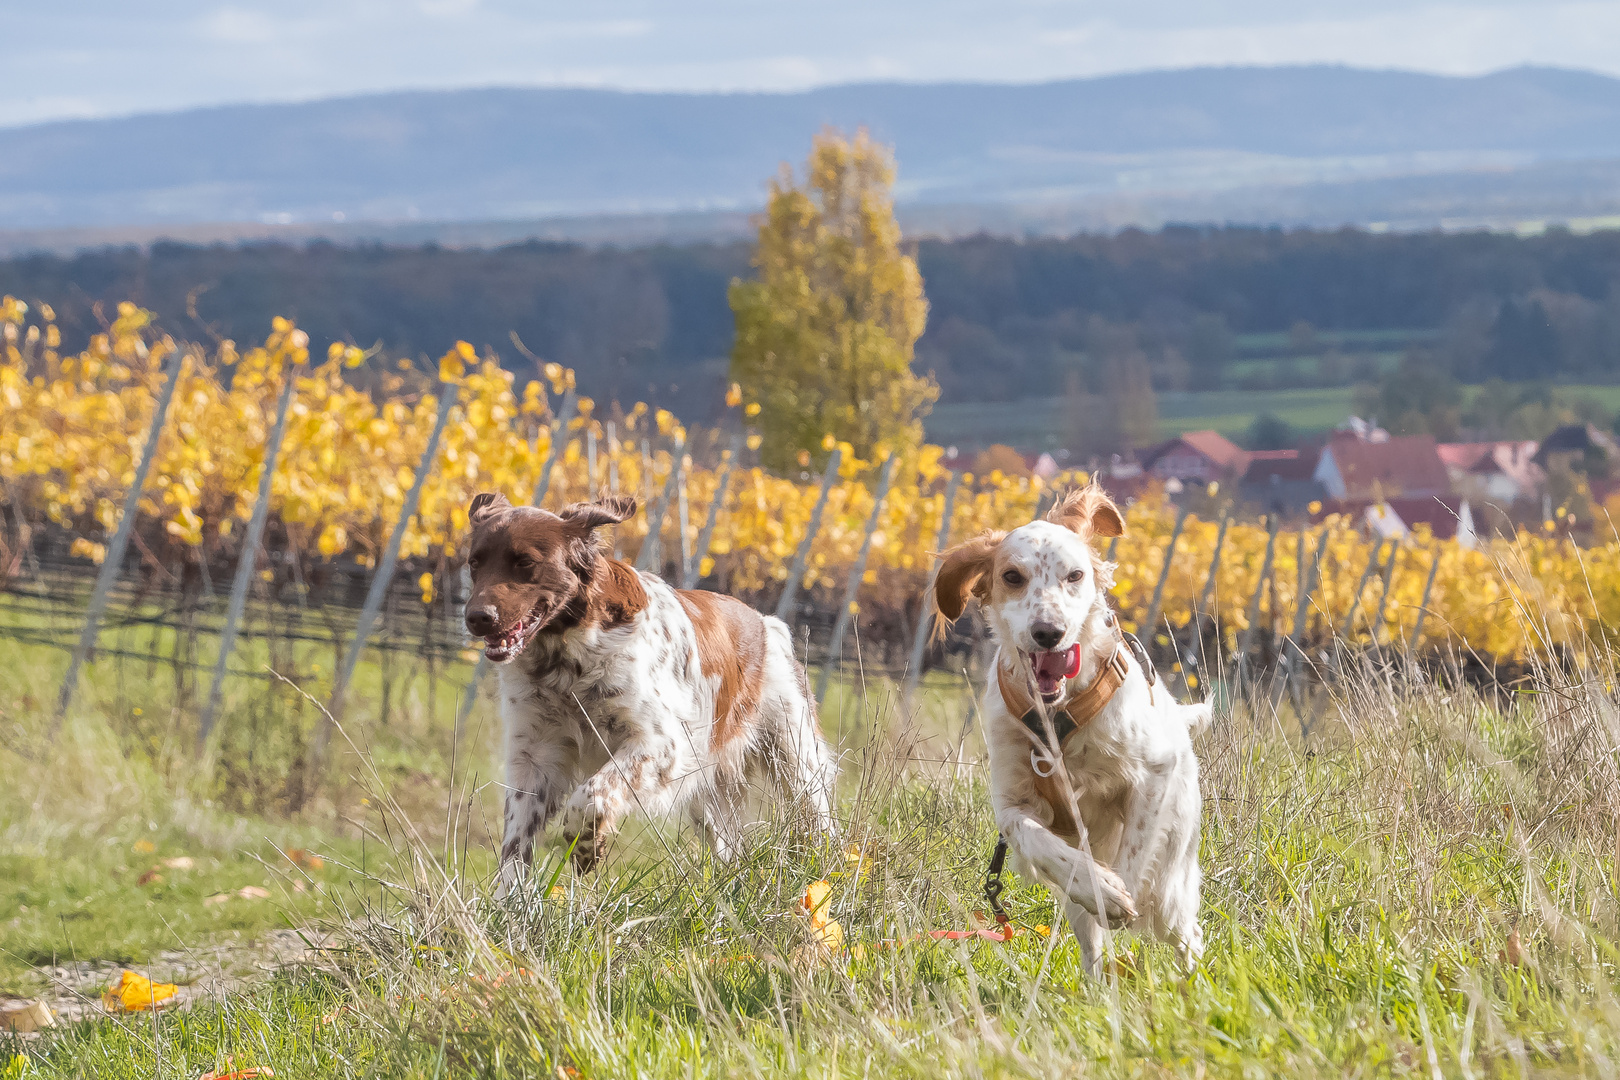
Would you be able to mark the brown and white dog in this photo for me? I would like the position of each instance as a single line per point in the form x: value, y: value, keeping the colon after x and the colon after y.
x: 619, y: 693
x: 1109, y: 816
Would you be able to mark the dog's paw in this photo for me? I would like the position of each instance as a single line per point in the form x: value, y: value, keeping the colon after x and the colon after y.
x: 588, y: 847
x: 1100, y: 891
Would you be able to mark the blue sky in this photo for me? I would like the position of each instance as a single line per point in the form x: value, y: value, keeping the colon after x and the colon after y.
x: 106, y: 58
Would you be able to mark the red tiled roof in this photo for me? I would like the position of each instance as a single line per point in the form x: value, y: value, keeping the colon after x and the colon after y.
x: 1283, y: 464
x: 1220, y: 450
x: 1405, y: 465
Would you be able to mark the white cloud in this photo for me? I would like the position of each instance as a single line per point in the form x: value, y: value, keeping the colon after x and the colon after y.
x: 236, y: 26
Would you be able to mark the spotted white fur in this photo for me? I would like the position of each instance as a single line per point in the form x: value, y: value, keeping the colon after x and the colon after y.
x: 600, y: 723
x: 1132, y: 770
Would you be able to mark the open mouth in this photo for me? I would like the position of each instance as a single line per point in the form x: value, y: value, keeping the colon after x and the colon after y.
x: 1052, y: 668
x: 503, y: 647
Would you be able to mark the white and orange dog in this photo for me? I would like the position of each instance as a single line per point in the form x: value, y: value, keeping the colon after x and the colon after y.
x: 621, y: 694
x: 1107, y: 814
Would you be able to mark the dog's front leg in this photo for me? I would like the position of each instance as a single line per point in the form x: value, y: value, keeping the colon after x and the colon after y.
x: 1075, y: 874
x: 536, y: 781
x: 642, y: 774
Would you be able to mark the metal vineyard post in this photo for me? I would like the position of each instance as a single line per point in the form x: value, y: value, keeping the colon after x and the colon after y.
x: 722, y: 487
x: 383, y: 575
x: 246, y: 560
x: 853, y: 588
x: 113, y: 560
x: 919, y: 646
x: 790, y: 594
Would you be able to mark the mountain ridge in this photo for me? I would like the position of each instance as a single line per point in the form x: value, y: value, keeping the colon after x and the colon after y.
x: 518, y: 153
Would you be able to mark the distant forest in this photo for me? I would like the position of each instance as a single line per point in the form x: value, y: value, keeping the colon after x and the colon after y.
x: 1010, y: 319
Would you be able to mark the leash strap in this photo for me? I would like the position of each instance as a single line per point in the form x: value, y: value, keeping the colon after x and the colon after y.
x: 992, y: 881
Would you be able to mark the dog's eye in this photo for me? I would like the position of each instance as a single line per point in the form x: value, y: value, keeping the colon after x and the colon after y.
x: 524, y: 562
x: 1076, y: 576
x: 1013, y: 578
x: 474, y: 563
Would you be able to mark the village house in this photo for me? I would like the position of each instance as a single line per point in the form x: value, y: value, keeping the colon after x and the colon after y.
x: 1196, y: 458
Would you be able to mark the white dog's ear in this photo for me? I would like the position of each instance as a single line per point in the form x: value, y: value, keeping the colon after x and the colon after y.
x: 964, y: 572
x: 1088, y: 511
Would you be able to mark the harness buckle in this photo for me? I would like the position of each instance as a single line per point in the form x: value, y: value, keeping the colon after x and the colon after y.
x: 1043, y: 764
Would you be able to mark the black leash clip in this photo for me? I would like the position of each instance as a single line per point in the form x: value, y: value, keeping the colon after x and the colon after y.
x: 993, y: 887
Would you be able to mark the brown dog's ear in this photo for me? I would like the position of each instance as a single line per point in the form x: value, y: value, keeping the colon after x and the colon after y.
x: 962, y: 574
x: 606, y: 511
x: 1088, y: 511
x: 485, y: 505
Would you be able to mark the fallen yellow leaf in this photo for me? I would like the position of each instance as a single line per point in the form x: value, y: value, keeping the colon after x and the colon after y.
x: 309, y: 861
x: 133, y: 993
x: 144, y: 847
x: 815, y: 902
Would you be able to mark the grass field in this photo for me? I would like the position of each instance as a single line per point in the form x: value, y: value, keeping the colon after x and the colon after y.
x: 1428, y: 887
x: 1043, y: 422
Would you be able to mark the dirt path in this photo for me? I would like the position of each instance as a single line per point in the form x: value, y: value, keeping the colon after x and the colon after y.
x: 203, y: 972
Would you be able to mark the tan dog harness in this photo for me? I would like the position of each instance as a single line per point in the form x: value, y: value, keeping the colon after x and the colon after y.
x: 1067, y: 719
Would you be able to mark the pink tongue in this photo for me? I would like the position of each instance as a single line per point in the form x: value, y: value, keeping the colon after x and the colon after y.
x: 1051, y: 668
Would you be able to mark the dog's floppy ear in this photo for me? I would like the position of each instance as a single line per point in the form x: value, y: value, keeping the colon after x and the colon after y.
x: 590, y: 516
x: 1088, y: 511
x: 485, y: 505
x: 963, y: 573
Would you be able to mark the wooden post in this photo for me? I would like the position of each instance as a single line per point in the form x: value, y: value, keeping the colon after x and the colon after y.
x: 559, y: 428
x: 1113, y: 549
x: 919, y: 645
x: 1361, y: 587
x: 1389, y: 575
x: 1247, y: 640
x: 112, y: 563
x: 613, y: 479
x: 722, y: 488
x: 685, y: 523
x: 1207, y: 596
x: 383, y: 575
x: 649, y: 557
x: 246, y: 560
x: 853, y: 588
x: 1152, y: 616
x: 790, y: 594
x: 1423, y: 607
x: 1302, y: 612
x: 590, y: 461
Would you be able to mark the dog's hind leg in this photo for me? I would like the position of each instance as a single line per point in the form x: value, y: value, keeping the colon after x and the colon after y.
x: 718, y: 816
x: 796, y: 754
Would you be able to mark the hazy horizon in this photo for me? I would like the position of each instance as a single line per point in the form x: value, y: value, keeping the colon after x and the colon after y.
x: 104, y: 60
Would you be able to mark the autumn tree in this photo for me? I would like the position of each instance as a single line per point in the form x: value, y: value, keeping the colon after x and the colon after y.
x: 826, y: 331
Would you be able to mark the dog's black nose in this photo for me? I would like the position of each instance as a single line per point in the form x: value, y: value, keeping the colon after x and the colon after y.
x: 481, y: 620
x: 1046, y: 635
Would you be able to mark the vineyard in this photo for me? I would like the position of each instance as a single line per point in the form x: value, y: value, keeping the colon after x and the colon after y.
x: 375, y: 462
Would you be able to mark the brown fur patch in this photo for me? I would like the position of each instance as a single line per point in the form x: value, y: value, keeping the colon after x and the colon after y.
x: 619, y: 595
x: 963, y: 572
x: 1088, y: 512
x: 731, y: 645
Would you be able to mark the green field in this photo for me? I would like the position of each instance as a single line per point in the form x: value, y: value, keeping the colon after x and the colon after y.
x: 1044, y: 423
x: 1426, y: 887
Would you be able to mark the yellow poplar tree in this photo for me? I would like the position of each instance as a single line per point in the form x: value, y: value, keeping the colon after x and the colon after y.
x: 826, y: 331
